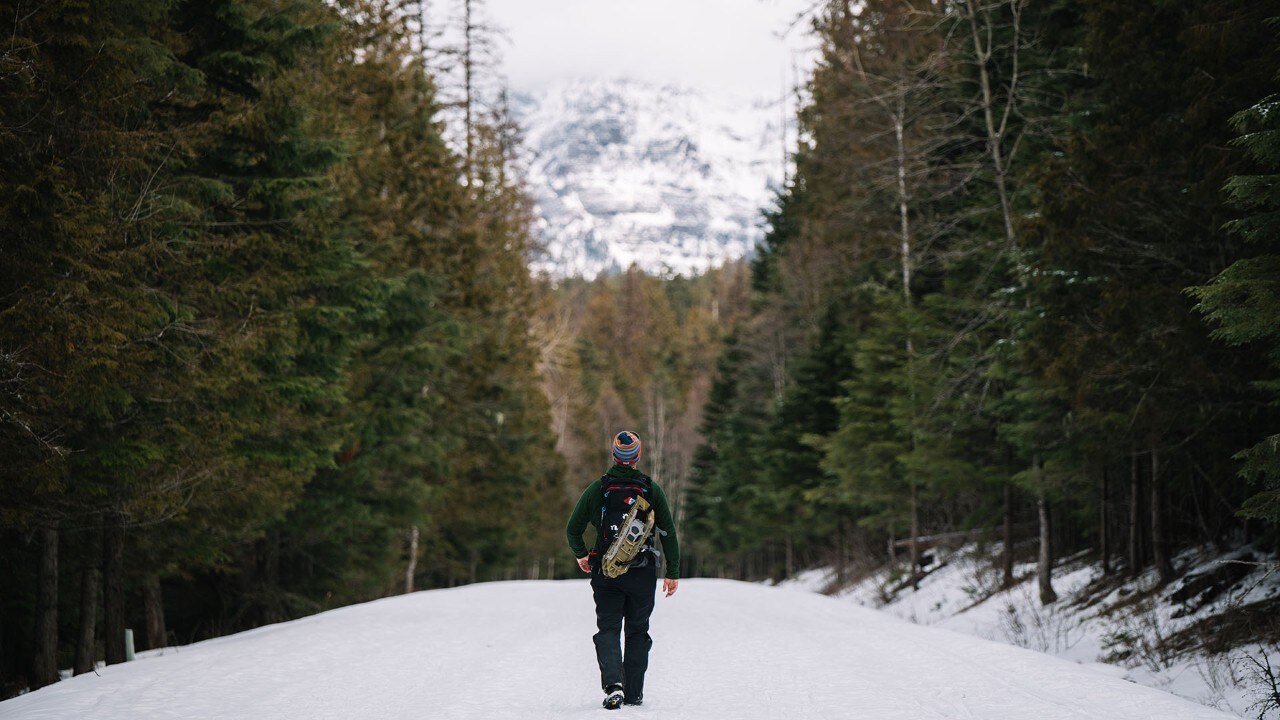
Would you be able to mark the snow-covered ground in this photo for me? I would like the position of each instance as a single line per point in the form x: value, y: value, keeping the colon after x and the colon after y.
x: 1113, y: 626
x: 722, y: 649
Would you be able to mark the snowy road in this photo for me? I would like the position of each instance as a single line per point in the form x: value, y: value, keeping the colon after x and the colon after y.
x: 722, y: 650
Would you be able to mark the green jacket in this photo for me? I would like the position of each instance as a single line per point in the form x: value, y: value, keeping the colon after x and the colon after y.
x: 587, y: 511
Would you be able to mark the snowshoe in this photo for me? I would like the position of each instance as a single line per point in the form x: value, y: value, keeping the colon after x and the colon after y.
x: 630, y: 540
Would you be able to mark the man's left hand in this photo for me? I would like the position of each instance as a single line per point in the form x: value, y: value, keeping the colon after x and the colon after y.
x: 669, y: 586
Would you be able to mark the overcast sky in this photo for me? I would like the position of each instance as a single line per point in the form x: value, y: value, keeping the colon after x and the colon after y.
x: 715, y: 45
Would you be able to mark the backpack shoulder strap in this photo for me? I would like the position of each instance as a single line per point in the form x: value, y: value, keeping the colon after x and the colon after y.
x: 642, y: 481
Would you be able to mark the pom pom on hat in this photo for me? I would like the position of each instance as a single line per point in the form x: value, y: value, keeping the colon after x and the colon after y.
x: 626, y: 447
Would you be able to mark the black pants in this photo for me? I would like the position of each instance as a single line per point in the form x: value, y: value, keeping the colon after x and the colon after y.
x: 627, y: 598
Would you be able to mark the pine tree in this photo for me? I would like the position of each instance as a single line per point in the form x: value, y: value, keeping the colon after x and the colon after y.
x: 1131, y: 216
x: 396, y: 203
x: 1243, y: 301
x: 725, y: 505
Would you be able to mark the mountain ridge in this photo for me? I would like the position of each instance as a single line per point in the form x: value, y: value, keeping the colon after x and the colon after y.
x: 667, y: 178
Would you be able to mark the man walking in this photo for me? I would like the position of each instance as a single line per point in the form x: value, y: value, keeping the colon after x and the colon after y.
x: 624, y: 502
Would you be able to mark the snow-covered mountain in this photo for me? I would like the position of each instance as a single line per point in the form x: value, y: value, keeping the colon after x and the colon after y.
x: 625, y: 172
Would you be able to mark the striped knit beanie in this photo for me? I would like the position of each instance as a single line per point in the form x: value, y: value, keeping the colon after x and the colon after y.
x: 626, y: 447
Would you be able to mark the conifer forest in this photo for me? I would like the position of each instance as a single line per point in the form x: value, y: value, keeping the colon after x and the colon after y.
x: 269, y: 343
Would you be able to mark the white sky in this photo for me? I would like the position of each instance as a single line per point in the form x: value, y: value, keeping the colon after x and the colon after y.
x: 730, y: 46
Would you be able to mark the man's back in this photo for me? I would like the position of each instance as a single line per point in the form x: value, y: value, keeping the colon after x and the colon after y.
x: 624, y: 600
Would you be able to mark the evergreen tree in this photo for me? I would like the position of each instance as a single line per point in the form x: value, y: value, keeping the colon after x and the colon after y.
x: 1129, y: 215
x: 726, y: 508
x: 1243, y: 301
x: 398, y: 204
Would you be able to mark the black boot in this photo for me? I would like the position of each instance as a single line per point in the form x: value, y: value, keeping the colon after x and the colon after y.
x: 614, y: 699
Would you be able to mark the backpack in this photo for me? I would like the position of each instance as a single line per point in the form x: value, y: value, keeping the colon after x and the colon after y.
x: 626, y: 524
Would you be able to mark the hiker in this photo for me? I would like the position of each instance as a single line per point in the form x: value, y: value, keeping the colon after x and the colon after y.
x: 624, y: 574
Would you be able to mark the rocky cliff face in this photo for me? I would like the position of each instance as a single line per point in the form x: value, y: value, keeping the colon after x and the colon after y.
x: 663, y: 177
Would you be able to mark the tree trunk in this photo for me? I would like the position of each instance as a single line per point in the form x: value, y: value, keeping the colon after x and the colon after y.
x: 86, y: 639
x: 1159, y: 543
x: 996, y: 129
x: 153, y: 610
x: 790, y: 557
x: 1104, y: 538
x: 1135, y: 516
x: 113, y: 590
x: 1044, y: 569
x: 413, y: 560
x: 468, y: 68
x: 269, y: 562
x: 1007, y: 556
x: 904, y: 210
x: 45, y: 666
x: 656, y: 416
x: 915, y: 536
x: 842, y: 560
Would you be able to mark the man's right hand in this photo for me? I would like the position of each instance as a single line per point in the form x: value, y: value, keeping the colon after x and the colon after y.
x: 584, y: 562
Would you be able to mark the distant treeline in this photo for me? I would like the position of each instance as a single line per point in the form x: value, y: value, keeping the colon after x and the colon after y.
x: 1026, y: 274
x: 634, y: 351
x: 264, y: 338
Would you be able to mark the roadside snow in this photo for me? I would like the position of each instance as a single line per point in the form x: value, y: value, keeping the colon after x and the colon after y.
x: 961, y: 596
x: 723, y: 649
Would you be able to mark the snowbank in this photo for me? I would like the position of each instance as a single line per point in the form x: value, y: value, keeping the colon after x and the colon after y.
x: 1121, y: 631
